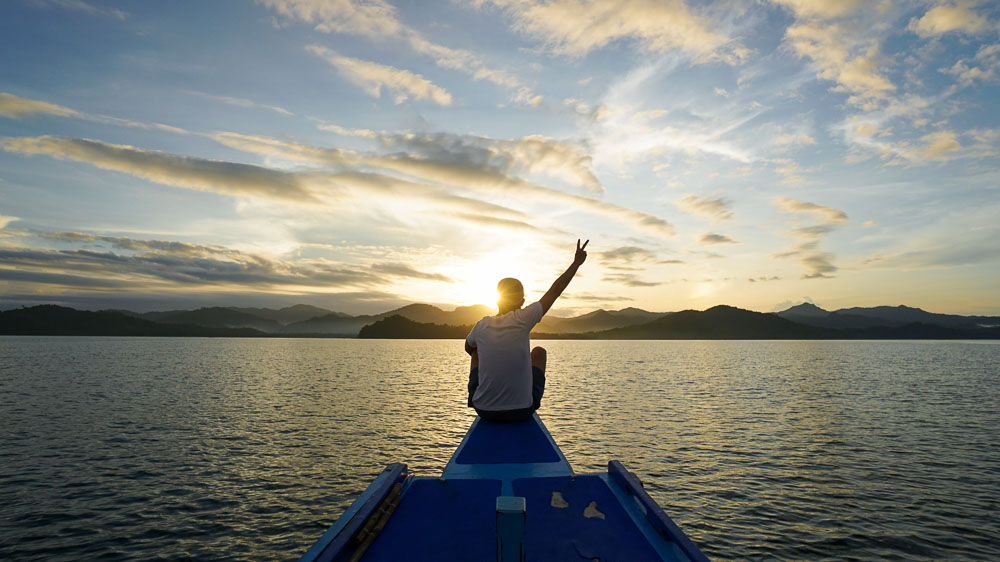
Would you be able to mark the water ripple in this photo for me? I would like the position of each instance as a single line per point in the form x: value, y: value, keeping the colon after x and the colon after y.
x: 131, y: 448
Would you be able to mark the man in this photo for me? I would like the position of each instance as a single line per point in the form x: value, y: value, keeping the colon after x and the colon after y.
x: 506, y: 382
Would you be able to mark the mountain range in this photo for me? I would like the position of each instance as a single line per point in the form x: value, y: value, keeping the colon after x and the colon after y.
x: 804, y: 321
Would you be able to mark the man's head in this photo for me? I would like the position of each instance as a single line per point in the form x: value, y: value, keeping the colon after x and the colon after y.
x: 511, y: 295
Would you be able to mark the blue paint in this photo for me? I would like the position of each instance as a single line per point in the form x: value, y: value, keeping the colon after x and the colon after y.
x: 468, y: 513
x: 567, y: 533
x: 438, y: 515
x: 503, y: 443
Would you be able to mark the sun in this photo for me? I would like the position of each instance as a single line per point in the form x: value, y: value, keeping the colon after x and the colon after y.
x: 478, y: 282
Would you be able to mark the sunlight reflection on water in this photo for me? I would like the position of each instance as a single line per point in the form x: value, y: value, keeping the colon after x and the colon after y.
x: 241, y: 448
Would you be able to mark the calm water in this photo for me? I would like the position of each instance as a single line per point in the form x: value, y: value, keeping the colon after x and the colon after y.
x: 249, y: 449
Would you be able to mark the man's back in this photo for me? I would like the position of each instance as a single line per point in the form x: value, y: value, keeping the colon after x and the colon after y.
x: 503, y: 344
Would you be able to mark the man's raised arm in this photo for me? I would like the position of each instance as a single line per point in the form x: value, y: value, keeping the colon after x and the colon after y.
x: 562, y: 282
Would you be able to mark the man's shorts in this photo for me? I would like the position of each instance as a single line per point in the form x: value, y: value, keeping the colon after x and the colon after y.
x: 510, y: 416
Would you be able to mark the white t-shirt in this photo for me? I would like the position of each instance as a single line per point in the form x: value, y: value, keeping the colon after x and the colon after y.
x: 504, y: 349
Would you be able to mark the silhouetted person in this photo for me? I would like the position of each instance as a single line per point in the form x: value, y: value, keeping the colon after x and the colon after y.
x: 506, y: 382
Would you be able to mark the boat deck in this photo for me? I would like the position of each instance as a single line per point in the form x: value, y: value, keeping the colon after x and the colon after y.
x: 510, y: 482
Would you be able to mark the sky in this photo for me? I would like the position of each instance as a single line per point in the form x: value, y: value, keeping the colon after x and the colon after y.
x: 362, y: 155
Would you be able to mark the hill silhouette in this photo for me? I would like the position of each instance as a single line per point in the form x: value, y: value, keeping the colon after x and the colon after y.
x: 51, y: 320
x: 220, y: 317
x: 804, y: 321
x: 400, y: 327
x: 718, y: 322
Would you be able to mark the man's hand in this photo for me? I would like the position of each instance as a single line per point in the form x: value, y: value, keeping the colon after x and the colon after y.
x: 581, y: 253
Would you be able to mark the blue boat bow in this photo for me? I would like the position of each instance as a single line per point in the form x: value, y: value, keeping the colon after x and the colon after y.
x: 508, y: 493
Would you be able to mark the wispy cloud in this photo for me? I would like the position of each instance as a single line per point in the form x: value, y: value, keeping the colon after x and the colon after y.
x: 406, y: 271
x: 123, y: 263
x: 5, y: 220
x: 712, y: 238
x: 627, y: 254
x: 81, y: 6
x: 378, y: 20
x: 819, y: 264
x: 464, y: 163
x: 240, y: 102
x: 17, y: 107
x: 372, y: 77
x: 181, y: 171
x: 628, y: 280
x: 575, y: 27
x: 343, y: 131
x: 713, y: 209
x: 829, y: 214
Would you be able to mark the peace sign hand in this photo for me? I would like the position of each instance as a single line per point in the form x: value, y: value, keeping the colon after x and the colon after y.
x: 581, y: 253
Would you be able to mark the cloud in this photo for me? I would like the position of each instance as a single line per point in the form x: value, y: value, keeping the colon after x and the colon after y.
x: 405, y: 271
x: 818, y: 264
x: 5, y: 220
x: 627, y: 254
x: 713, y: 209
x: 534, y: 154
x: 965, y: 236
x: 81, y: 6
x: 830, y: 214
x: 16, y: 107
x: 985, y: 66
x: 461, y: 175
x: 576, y: 27
x: 241, y: 102
x: 955, y: 16
x: 498, y: 222
x: 938, y: 145
x: 156, y: 265
x: 763, y: 279
x: 844, y: 56
x: 822, y: 9
x: 586, y: 297
x: 712, y: 238
x: 180, y: 171
x: 377, y: 20
x: 433, y: 166
x: 372, y: 77
x: 363, y: 133
x: 628, y: 280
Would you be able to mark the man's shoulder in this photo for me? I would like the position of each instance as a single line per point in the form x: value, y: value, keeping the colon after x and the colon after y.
x: 531, y: 314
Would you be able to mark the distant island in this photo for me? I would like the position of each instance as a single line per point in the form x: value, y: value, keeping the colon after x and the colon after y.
x: 423, y: 321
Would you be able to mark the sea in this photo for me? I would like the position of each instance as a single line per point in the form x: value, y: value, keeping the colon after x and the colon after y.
x: 249, y: 449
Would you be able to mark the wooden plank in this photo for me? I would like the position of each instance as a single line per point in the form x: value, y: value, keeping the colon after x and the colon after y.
x: 336, y: 543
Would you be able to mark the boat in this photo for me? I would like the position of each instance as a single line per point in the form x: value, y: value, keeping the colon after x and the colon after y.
x: 507, y: 493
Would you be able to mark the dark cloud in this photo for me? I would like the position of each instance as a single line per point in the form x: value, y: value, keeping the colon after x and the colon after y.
x: 403, y: 270
x: 818, y: 264
x: 230, y: 178
x: 627, y: 254
x: 153, y: 269
x: 713, y: 209
x: 628, y: 279
x: 596, y: 298
x: 712, y: 238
